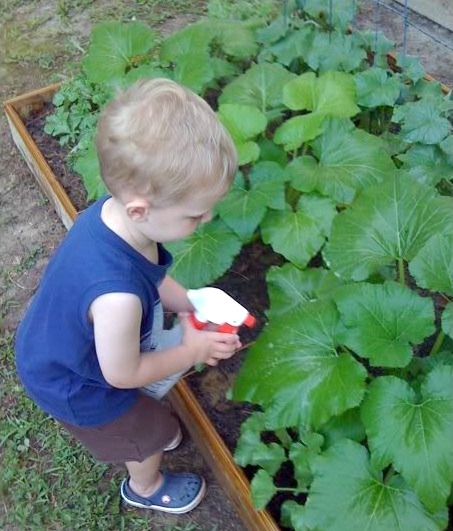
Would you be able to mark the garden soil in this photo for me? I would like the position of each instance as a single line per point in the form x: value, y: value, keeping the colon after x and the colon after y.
x: 36, y: 43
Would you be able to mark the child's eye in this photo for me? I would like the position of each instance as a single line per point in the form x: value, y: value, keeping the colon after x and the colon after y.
x: 206, y: 216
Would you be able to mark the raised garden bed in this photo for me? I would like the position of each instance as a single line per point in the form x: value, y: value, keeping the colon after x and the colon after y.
x: 208, y: 440
x: 364, y: 203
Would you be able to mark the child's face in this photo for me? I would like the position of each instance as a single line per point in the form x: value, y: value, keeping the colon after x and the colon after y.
x: 166, y: 224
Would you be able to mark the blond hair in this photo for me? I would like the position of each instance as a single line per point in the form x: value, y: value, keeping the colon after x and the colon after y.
x: 160, y: 140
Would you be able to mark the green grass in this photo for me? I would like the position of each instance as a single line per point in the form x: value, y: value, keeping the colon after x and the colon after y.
x: 27, y: 262
x: 48, y: 480
x: 52, y: 40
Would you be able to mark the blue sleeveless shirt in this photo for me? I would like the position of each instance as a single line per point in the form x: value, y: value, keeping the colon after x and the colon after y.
x: 55, y: 350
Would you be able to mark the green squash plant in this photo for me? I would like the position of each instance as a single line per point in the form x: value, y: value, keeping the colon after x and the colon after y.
x: 345, y: 171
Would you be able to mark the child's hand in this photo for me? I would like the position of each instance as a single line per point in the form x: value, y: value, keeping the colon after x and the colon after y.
x: 207, y: 346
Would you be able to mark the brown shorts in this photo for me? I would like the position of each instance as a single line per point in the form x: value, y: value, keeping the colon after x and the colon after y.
x: 147, y: 428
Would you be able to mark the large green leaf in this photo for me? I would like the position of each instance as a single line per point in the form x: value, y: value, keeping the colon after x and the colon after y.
x: 289, y: 287
x: 302, y: 455
x: 303, y: 380
x: 447, y: 148
x: 421, y: 122
x: 268, y: 456
x: 383, y: 321
x: 268, y: 179
x: 413, y: 432
x: 205, y: 255
x: 427, y: 164
x: 223, y: 68
x: 187, y: 51
x: 294, y: 235
x: 335, y: 51
x: 299, y: 235
x: 195, y: 71
x: 447, y: 319
x: 274, y: 30
x: 236, y: 38
x: 269, y: 151
x: 147, y: 71
x: 388, y: 222
x: 339, y: 14
x: 411, y: 66
x: 244, y: 123
x: 349, y: 425
x: 295, y: 45
x: 348, y: 493
x: 249, y: 437
x: 261, y: 86
x: 295, y: 131
x: 432, y: 267
x: 331, y: 94
x: 345, y: 160
x: 430, y: 90
x: 293, y: 516
x: 375, y: 87
x: 262, y: 489
x: 379, y: 44
x: 304, y: 172
x: 190, y: 40
x: 243, y: 209
x: 113, y: 49
x: 87, y: 164
x: 245, y: 205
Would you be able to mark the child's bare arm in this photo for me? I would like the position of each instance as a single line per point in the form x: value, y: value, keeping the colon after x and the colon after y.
x: 174, y: 296
x: 116, y: 318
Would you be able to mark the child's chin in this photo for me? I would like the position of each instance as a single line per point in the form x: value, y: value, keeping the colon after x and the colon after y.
x: 179, y: 237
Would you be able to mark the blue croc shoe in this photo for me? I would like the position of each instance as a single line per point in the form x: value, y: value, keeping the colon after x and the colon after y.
x: 179, y: 494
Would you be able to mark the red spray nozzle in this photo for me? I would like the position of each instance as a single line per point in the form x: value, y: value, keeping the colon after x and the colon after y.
x: 212, y: 305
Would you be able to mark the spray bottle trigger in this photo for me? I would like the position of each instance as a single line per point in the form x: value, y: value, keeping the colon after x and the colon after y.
x: 198, y: 325
x: 227, y: 328
x: 250, y: 321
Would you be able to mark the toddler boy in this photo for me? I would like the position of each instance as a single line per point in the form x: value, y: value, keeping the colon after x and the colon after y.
x: 93, y: 335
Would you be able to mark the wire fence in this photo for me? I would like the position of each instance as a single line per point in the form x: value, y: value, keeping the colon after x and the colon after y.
x: 404, y: 12
x: 428, y: 37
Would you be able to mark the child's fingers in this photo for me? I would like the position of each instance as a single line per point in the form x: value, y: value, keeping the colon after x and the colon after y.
x: 222, y: 352
x: 222, y: 337
x: 214, y: 336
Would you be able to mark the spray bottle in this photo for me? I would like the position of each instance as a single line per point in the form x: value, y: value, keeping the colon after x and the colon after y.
x: 213, y: 309
x: 213, y: 306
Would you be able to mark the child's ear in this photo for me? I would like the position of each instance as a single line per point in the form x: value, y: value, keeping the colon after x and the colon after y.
x: 137, y: 209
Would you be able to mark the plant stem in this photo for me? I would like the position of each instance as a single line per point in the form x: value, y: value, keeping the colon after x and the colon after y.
x: 284, y: 437
x: 388, y: 475
x: 438, y: 343
x: 244, y: 346
x: 401, y: 274
x: 373, y: 114
x: 292, y: 196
